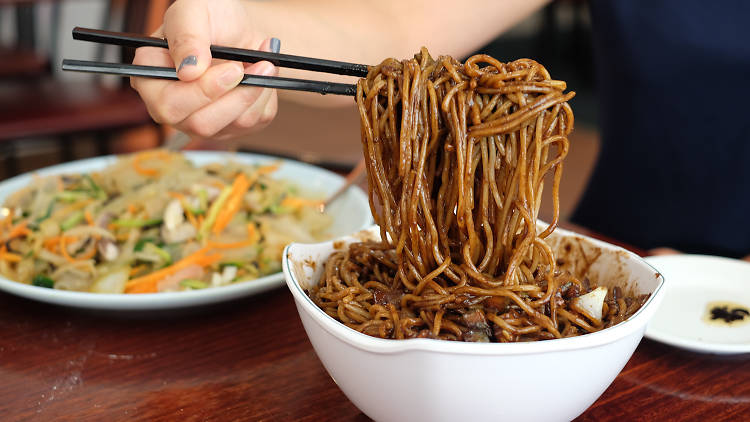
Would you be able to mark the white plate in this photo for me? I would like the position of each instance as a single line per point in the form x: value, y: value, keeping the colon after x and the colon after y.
x: 350, y: 212
x: 694, y: 283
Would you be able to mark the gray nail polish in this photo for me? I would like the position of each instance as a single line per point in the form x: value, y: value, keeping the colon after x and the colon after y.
x: 275, y: 45
x: 188, y: 61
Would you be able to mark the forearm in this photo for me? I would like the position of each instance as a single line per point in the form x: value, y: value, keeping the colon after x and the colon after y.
x: 369, y: 31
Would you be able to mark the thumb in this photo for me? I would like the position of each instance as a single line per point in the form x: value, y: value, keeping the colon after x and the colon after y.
x: 188, y: 33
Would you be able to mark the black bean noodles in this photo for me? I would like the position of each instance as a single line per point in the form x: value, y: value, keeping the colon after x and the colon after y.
x: 456, y: 159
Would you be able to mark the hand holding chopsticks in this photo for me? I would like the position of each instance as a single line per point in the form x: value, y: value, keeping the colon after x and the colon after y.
x: 219, y: 52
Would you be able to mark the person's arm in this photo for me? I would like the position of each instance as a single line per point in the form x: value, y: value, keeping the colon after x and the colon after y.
x: 370, y: 31
x: 204, y: 102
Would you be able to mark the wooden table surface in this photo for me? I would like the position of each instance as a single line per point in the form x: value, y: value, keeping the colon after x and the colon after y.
x: 251, y: 360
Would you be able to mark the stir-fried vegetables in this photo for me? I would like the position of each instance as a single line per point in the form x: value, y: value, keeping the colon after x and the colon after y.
x: 153, y: 222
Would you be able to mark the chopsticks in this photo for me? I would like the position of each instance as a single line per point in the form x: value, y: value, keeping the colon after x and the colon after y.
x: 219, y: 52
x: 122, y: 69
x: 229, y: 53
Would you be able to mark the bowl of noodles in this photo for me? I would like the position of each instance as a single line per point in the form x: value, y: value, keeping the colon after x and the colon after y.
x: 159, y: 229
x: 460, y: 304
x: 424, y: 378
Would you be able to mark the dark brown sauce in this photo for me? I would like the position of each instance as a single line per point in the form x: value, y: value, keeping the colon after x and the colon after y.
x: 727, y: 313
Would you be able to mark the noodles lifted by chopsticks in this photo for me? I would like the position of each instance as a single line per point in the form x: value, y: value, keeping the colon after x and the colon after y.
x: 456, y: 160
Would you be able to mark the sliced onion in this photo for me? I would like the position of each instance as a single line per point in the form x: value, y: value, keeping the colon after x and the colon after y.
x: 591, y: 304
x: 113, y: 282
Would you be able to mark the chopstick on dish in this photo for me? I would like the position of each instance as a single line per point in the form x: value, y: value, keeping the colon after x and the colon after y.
x: 220, y: 52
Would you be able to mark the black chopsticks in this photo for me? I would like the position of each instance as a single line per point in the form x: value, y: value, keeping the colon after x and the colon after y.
x: 219, y: 52
x: 121, y: 69
x: 228, y: 53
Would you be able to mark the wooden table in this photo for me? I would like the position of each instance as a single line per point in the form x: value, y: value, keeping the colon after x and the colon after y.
x: 251, y: 360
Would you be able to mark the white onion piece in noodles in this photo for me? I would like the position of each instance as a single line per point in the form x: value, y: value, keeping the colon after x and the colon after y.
x: 591, y: 304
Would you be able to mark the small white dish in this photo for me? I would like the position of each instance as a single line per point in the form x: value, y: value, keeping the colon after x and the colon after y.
x: 696, y: 284
x: 437, y: 380
x: 350, y: 212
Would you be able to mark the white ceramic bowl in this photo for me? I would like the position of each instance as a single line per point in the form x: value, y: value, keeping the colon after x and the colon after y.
x: 434, y: 380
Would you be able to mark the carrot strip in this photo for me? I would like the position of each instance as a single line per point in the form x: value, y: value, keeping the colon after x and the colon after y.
x: 252, y: 238
x: 18, y: 230
x: 138, y: 166
x: 191, y: 218
x: 234, y: 202
x: 137, y: 269
x: 268, y: 169
x: 294, y: 202
x: 9, y: 256
x: 89, y: 218
x: 232, y: 245
x: 132, y: 209
x: 64, y: 250
x: 88, y: 255
x: 51, y: 243
x: 148, y: 283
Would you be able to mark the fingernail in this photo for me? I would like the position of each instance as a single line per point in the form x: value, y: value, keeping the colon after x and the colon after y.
x: 275, y: 45
x: 188, y: 61
x: 231, y: 77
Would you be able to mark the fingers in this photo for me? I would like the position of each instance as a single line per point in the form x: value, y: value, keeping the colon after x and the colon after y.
x: 263, y: 111
x: 241, y: 111
x: 188, y: 33
x: 260, y: 114
x: 151, y: 56
x: 171, y: 102
x: 237, y: 112
x: 204, y: 105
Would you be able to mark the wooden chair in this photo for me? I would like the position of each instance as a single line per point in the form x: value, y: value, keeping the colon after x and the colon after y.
x: 33, y: 103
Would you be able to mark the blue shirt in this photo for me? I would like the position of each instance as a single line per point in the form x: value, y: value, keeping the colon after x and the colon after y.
x: 673, y: 78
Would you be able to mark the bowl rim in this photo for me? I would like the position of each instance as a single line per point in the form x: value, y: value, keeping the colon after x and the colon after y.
x: 389, y: 346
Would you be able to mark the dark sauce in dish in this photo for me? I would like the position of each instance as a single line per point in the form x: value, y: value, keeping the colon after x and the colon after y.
x: 727, y: 313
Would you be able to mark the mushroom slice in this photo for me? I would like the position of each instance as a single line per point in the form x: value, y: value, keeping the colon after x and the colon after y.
x: 173, y: 216
x: 108, y: 249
